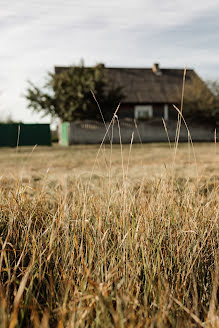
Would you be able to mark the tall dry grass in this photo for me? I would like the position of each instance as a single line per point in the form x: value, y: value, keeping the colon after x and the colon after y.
x: 116, y: 256
x: 120, y: 255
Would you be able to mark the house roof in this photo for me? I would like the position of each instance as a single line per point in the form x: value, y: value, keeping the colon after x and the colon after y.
x: 143, y: 85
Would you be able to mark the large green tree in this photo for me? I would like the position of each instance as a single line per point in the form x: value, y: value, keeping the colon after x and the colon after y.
x: 68, y: 94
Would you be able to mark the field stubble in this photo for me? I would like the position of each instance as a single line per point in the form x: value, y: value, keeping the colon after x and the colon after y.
x: 129, y: 242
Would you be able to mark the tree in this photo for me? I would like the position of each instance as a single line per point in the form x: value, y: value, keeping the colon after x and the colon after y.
x: 68, y: 94
x: 201, y: 99
x: 213, y: 85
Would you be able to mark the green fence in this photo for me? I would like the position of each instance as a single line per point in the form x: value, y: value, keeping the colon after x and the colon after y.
x: 65, y: 133
x: 25, y: 134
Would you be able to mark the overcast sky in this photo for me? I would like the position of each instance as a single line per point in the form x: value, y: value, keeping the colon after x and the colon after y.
x: 36, y: 35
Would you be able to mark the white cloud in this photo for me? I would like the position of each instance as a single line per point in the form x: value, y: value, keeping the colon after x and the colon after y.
x: 36, y: 35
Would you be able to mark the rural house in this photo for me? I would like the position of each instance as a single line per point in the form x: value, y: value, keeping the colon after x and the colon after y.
x: 149, y: 95
x: 148, y: 92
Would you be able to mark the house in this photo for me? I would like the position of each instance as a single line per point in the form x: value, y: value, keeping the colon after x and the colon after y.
x: 149, y: 95
x: 148, y: 92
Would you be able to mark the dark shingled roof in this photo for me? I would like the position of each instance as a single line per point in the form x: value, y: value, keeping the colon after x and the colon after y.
x: 142, y: 85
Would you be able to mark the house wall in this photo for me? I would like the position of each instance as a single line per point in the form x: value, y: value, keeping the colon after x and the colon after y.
x: 128, y: 110
x: 92, y: 132
x: 158, y: 110
x: 173, y: 112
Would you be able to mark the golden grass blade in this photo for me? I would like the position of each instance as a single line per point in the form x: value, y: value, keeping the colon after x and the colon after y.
x: 3, y: 312
x: 168, y: 138
x: 45, y: 320
x: 13, y: 321
x: 180, y: 113
x: 189, y: 136
x: 193, y: 316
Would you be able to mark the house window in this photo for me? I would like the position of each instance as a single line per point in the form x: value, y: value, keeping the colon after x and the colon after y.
x: 166, y: 114
x: 143, y: 112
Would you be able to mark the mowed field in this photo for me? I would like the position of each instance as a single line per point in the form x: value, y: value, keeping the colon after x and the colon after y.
x: 121, y: 236
x: 90, y: 162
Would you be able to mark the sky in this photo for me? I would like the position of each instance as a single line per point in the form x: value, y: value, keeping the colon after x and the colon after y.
x: 37, y: 35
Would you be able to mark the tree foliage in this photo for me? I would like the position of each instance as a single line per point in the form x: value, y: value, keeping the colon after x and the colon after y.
x: 68, y: 94
x: 201, y: 99
x: 213, y: 85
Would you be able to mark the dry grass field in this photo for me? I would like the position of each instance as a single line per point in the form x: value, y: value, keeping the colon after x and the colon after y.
x: 128, y: 238
x: 142, y: 161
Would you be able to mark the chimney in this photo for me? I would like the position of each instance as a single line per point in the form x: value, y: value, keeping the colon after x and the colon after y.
x: 101, y: 65
x: 156, y: 69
